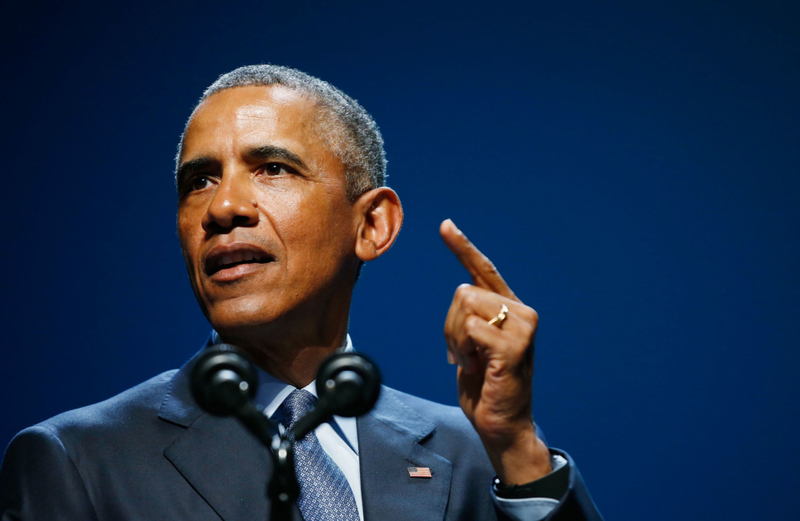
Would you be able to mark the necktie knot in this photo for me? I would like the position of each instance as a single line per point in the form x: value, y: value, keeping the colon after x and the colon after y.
x: 296, y: 405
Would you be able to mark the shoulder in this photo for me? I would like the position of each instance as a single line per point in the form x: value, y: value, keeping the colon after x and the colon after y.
x: 103, y: 427
x: 143, y: 399
x: 445, y: 417
x: 448, y: 419
x: 65, y: 463
x: 449, y: 432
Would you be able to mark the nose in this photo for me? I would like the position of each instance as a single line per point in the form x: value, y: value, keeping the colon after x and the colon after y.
x: 232, y: 205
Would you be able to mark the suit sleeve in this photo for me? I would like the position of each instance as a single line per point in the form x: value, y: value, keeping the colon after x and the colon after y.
x: 40, y: 482
x: 559, y: 496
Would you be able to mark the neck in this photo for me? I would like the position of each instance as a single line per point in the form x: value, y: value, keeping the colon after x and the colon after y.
x: 293, y: 347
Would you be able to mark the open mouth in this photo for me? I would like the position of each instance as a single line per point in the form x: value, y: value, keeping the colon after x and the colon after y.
x: 223, y: 261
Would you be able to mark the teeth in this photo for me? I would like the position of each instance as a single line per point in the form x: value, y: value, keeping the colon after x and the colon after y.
x: 240, y: 256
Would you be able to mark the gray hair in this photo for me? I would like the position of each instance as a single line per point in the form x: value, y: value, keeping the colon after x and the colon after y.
x: 346, y: 126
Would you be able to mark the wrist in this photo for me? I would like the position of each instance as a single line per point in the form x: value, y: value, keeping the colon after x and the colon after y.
x: 522, y: 459
x: 552, y: 486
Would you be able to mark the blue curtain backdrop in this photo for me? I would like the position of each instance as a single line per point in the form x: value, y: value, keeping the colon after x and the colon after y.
x: 631, y: 167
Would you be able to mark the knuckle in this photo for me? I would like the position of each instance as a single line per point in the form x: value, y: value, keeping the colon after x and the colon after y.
x: 529, y: 338
x: 449, y: 329
x: 489, y: 267
x: 516, y: 348
x: 470, y: 300
x: 471, y: 323
x: 462, y: 290
x: 465, y: 293
x: 530, y: 315
x: 526, y: 339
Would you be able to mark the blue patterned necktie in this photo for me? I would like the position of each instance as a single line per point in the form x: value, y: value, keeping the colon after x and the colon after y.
x: 324, y: 491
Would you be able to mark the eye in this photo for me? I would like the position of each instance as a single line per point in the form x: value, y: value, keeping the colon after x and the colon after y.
x: 276, y: 169
x: 198, y: 183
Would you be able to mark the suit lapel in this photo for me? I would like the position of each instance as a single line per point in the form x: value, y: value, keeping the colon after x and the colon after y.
x: 219, y: 458
x: 389, y: 442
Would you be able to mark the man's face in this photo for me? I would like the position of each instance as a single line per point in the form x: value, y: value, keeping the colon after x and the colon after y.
x: 264, y: 221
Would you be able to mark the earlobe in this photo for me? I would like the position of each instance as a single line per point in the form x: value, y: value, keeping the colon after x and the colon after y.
x: 380, y: 219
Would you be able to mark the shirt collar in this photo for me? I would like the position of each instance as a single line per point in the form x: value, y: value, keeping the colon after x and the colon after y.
x: 272, y: 392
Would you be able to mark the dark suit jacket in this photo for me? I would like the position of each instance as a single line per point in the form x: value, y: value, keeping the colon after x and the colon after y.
x: 152, y: 453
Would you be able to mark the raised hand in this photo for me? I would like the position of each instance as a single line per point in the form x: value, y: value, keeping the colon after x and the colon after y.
x: 495, y: 363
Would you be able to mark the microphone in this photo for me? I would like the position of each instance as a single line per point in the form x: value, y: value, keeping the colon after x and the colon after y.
x: 224, y: 380
x: 348, y: 384
x: 224, y: 383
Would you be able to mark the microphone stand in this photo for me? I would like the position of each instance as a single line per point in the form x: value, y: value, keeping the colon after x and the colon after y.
x: 283, y: 489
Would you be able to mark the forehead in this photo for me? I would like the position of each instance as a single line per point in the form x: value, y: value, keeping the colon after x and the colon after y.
x: 242, y: 117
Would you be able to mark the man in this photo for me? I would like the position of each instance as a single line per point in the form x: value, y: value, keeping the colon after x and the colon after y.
x: 281, y: 198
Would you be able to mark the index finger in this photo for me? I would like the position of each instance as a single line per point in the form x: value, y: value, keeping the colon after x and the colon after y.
x: 484, y: 274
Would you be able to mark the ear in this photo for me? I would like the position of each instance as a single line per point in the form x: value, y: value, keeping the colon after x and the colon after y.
x: 379, y: 219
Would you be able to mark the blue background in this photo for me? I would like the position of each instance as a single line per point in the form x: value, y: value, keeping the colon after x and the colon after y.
x: 631, y: 167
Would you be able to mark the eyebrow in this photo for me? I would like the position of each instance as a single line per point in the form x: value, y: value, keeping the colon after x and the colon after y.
x: 273, y: 152
x: 263, y: 152
x: 190, y: 167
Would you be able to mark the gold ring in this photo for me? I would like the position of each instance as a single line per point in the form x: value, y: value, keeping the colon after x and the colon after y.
x: 500, y: 318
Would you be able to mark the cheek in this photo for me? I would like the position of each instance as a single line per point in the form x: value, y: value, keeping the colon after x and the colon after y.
x: 315, y: 229
x: 189, y: 243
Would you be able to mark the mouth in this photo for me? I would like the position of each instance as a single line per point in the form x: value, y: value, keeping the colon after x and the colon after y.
x: 235, y: 258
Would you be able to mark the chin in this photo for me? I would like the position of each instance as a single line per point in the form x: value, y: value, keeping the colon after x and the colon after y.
x: 242, y: 314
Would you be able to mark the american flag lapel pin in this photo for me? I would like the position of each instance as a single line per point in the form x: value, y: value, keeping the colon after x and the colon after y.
x: 419, y: 472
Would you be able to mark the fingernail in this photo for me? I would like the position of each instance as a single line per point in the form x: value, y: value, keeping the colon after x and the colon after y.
x: 451, y: 358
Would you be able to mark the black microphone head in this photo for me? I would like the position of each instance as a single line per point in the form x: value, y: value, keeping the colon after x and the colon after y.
x: 349, y: 383
x: 223, y: 379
